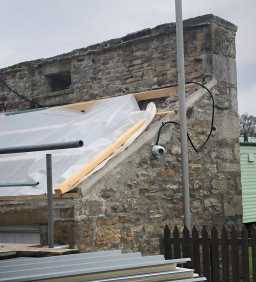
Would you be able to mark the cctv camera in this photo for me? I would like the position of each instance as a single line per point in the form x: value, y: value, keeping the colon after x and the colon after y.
x: 158, y: 151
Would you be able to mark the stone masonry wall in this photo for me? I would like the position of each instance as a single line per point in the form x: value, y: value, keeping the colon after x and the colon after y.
x: 32, y: 211
x: 139, y: 61
x: 129, y: 205
x: 131, y: 202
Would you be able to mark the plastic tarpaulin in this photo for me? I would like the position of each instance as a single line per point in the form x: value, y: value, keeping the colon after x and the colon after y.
x: 98, y: 127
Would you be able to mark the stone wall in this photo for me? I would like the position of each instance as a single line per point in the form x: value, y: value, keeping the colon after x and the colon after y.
x: 32, y: 211
x: 129, y: 201
x: 138, y: 61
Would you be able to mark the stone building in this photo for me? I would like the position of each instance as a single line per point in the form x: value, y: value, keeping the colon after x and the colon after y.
x: 128, y: 202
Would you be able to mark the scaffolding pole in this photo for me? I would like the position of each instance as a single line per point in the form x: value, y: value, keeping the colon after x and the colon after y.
x: 182, y: 110
x: 50, y: 201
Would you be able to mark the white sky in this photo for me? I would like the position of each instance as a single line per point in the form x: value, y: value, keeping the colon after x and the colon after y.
x: 32, y: 29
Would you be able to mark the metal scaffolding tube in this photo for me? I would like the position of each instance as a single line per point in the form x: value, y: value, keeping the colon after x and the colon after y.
x: 43, y: 147
x: 20, y: 184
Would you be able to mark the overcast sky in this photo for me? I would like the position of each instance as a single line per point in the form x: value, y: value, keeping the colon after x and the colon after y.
x: 32, y: 29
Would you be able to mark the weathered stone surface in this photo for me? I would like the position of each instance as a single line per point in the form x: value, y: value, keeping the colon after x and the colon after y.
x: 34, y: 212
x: 64, y: 232
x: 233, y: 206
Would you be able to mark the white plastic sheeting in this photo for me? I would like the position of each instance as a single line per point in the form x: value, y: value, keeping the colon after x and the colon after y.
x: 98, y: 127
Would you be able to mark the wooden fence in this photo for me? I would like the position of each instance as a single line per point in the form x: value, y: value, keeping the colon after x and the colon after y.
x: 228, y: 255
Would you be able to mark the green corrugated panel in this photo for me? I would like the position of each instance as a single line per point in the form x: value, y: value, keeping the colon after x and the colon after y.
x: 248, y: 179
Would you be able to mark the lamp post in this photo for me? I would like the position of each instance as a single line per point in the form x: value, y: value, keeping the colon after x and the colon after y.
x: 182, y: 111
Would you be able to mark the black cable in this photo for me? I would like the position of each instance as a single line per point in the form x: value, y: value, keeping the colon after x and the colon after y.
x: 160, y: 128
x: 199, y: 148
x: 19, y: 95
x: 212, y: 120
x: 176, y: 123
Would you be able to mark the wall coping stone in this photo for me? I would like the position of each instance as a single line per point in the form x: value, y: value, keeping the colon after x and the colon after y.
x: 166, y: 28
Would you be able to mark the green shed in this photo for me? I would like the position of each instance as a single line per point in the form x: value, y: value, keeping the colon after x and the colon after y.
x: 248, y: 180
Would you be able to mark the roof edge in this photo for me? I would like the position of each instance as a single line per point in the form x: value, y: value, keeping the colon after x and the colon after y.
x: 190, y: 23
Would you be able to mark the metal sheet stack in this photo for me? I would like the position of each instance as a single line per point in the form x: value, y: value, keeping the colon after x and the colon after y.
x: 104, y: 266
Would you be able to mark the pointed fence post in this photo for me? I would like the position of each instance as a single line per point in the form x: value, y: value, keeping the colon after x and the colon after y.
x: 206, y: 255
x: 196, y: 256
x: 245, y: 255
x: 187, y: 245
x: 225, y: 255
x: 235, y: 255
x: 215, y: 255
x: 167, y: 243
x: 176, y: 243
x: 254, y: 253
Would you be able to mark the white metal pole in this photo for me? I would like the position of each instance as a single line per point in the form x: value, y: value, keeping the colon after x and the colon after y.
x: 182, y: 110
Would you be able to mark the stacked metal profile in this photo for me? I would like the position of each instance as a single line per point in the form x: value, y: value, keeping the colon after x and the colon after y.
x: 106, y: 266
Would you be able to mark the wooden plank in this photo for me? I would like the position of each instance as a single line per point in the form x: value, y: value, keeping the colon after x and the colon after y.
x: 245, y: 255
x: 73, y: 180
x: 140, y: 96
x: 225, y: 255
x: 215, y: 255
x: 155, y: 94
x: 28, y: 249
x: 235, y: 255
x: 81, y: 106
x: 164, y: 113
x: 196, y: 258
x: 206, y: 255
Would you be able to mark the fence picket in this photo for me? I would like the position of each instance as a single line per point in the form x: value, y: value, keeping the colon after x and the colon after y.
x: 167, y: 243
x: 245, y: 255
x: 235, y: 255
x: 196, y: 260
x: 206, y: 255
x: 225, y: 255
x: 187, y: 245
x: 215, y: 255
x: 221, y: 257
x: 254, y: 253
x: 176, y: 241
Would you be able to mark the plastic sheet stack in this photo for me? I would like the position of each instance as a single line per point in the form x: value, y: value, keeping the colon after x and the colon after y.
x: 104, y: 266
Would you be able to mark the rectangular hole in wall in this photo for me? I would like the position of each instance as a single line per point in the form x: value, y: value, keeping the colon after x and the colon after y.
x: 59, y: 81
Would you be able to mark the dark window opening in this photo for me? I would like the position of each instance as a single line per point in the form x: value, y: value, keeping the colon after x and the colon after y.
x: 59, y: 81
